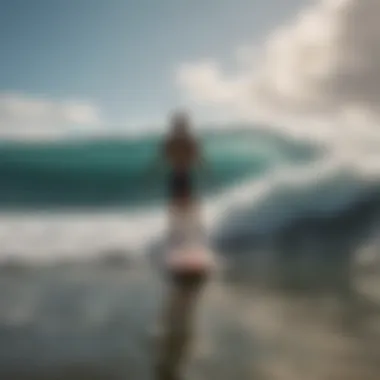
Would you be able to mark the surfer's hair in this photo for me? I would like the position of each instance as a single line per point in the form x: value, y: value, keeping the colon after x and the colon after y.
x: 180, y: 121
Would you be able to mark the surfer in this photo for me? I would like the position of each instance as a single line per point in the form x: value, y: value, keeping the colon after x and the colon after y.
x: 181, y: 153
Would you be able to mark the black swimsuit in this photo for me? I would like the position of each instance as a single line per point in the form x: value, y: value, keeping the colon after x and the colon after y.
x: 180, y: 184
x: 180, y: 180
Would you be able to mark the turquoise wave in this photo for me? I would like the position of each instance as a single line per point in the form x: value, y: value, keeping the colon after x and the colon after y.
x: 110, y: 172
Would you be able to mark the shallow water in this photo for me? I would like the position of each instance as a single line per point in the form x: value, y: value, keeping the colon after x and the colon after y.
x: 94, y: 322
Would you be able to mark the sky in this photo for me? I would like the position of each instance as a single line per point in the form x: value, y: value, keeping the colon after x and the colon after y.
x: 77, y: 65
x: 322, y: 64
x: 117, y: 60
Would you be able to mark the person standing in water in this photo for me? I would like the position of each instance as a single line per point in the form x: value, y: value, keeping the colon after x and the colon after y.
x: 182, y: 153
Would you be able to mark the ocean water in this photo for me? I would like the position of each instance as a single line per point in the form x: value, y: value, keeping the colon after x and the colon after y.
x: 293, y: 219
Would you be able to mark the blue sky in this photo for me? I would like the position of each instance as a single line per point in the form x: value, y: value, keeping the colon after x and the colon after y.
x: 122, y: 55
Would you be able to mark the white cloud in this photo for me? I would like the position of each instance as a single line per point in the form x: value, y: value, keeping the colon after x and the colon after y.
x: 206, y: 83
x: 23, y: 116
x: 324, y: 63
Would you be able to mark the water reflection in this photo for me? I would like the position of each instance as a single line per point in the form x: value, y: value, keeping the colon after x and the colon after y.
x: 94, y: 322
